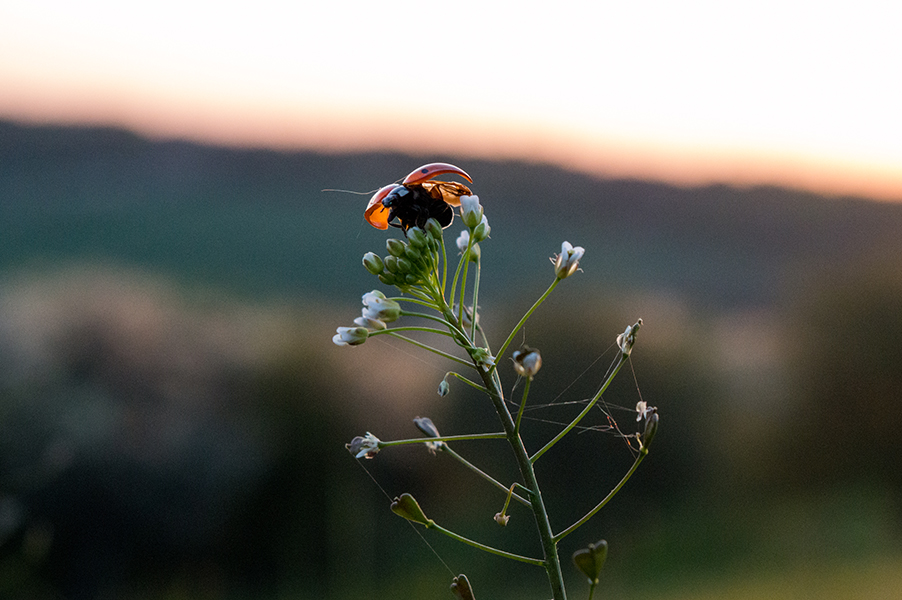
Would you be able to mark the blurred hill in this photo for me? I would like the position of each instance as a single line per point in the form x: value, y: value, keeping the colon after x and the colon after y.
x: 172, y: 412
x: 258, y: 222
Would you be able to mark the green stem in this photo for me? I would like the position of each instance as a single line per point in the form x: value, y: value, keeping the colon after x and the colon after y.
x: 475, y: 299
x: 460, y: 265
x: 444, y: 438
x: 483, y: 474
x: 392, y: 333
x: 532, y: 561
x: 427, y: 303
x: 552, y: 562
x: 522, y: 405
x: 601, y: 504
x: 467, y: 381
x: 580, y: 416
x: 444, y: 265
x: 455, y: 331
x: 411, y: 328
x: 523, y: 320
x: 463, y: 281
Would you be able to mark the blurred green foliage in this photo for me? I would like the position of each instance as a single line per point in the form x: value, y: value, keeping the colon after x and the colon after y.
x: 173, y: 413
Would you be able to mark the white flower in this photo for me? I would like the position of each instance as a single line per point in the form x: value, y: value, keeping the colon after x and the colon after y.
x: 371, y: 324
x: 377, y: 306
x: 567, y: 262
x: 483, y: 358
x: 643, y: 409
x: 463, y: 240
x: 364, y: 447
x: 470, y: 211
x: 350, y: 336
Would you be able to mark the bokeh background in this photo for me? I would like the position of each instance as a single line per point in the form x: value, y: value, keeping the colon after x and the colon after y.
x: 173, y: 413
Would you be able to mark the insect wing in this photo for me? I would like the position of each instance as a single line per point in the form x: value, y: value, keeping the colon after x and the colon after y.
x: 376, y: 214
x: 446, y: 191
x: 427, y: 172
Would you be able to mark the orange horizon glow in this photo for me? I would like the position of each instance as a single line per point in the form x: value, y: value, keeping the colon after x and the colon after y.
x: 319, y: 129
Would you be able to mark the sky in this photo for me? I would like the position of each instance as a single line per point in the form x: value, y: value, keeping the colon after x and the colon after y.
x: 804, y: 94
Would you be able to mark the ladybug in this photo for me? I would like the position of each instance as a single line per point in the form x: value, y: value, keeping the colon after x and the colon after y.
x: 417, y: 199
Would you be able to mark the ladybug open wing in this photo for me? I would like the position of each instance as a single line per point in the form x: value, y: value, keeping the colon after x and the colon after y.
x: 446, y: 191
x: 427, y: 172
x: 376, y: 214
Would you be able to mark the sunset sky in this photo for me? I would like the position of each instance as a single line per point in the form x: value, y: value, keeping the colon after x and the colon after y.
x: 806, y: 94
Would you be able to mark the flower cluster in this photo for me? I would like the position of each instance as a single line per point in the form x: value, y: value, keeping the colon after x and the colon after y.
x: 408, y: 263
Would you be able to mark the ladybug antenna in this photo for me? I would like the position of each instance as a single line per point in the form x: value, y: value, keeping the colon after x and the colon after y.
x: 350, y: 192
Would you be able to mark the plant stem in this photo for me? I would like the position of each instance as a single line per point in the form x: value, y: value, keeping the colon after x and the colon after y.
x: 601, y: 504
x: 533, y: 561
x: 445, y: 438
x: 523, y: 320
x: 552, y: 562
x: 483, y: 474
x: 427, y: 347
x: 467, y: 381
x: 522, y: 405
x: 580, y: 416
x: 475, y: 299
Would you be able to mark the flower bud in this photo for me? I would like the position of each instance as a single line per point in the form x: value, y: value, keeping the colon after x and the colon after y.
x: 404, y: 265
x: 417, y: 237
x: 482, y: 231
x: 428, y: 428
x: 527, y: 361
x: 350, y: 336
x: 590, y: 560
x: 460, y: 587
x: 395, y: 247
x: 364, y: 446
x: 626, y: 339
x: 434, y: 229
x: 444, y: 388
x: 475, y: 253
x: 391, y: 265
x: 470, y: 211
x: 567, y: 262
x: 502, y: 519
x: 373, y: 263
x: 413, y: 255
x: 387, y: 278
x: 651, y: 428
x: 405, y: 506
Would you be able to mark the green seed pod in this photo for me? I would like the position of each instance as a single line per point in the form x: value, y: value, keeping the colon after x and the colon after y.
x: 460, y: 587
x: 590, y: 560
x: 405, y: 506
